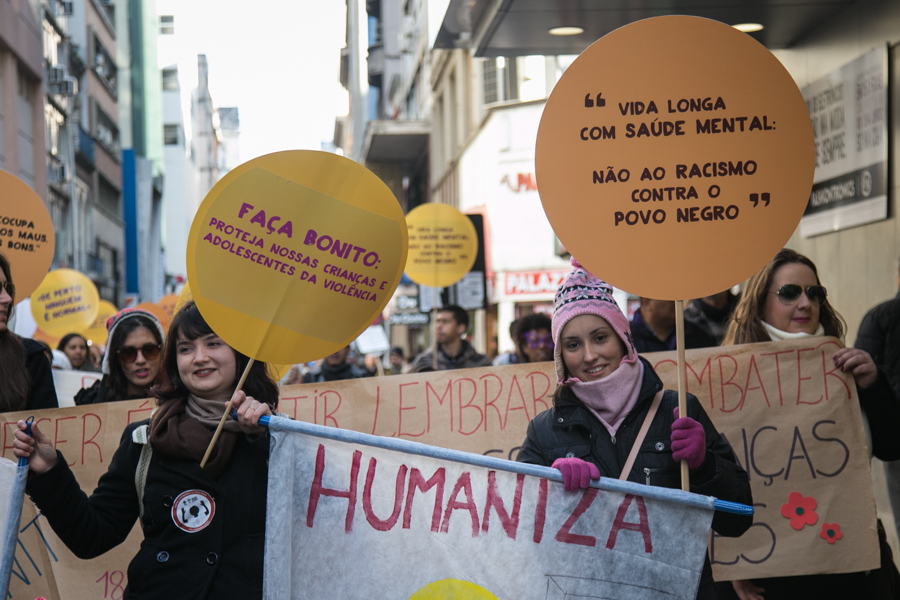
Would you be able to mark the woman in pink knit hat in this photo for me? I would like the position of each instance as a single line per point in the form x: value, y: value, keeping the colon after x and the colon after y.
x: 606, y: 393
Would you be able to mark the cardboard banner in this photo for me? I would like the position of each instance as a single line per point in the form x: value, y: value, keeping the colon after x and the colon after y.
x: 486, y: 533
x: 661, y: 140
x: 292, y: 255
x: 65, y: 302
x: 792, y: 418
x: 26, y: 234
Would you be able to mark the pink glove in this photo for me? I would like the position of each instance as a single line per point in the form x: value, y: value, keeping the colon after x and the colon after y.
x: 688, y: 441
x: 577, y: 474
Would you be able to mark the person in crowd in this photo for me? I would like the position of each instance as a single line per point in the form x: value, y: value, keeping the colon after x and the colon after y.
x: 786, y: 300
x: 26, y: 382
x: 76, y: 348
x: 453, y: 351
x: 653, y: 327
x: 398, y: 364
x: 95, y: 357
x: 59, y: 361
x: 510, y: 357
x: 879, y: 335
x: 294, y: 375
x: 533, y: 340
x: 606, y: 393
x: 215, y: 551
x: 335, y: 367
x: 132, y: 359
x: 710, y: 313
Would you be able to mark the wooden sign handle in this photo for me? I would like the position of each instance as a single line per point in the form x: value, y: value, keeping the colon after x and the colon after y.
x: 682, y: 385
x: 215, y: 437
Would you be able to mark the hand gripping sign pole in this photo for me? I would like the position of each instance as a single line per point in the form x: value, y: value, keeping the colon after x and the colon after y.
x: 293, y: 254
x: 666, y: 171
x: 442, y: 248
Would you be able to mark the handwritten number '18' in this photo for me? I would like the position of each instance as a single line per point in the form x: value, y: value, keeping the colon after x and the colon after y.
x: 115, y: 580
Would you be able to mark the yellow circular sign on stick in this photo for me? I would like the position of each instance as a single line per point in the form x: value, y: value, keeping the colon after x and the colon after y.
x: 66, y: 301
x: 442, y: 245
x: 97, y: 332
x: 292, y: 255
x: 183, y: 298
x: 675, y: 157
x: 26, y: 234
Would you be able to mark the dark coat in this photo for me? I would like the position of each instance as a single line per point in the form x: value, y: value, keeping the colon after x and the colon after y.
x: 569, y: 428
x: 879, y: 335
x: 43, y: 392
x: 97, y: 393
x: 467, y: 358
x: 645, y: 339
x: 223, y: 560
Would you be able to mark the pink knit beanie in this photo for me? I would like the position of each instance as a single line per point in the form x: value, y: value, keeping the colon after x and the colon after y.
x: 581, y: 293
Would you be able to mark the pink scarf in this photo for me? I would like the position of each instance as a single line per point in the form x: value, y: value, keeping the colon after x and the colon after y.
x: 611, y: 399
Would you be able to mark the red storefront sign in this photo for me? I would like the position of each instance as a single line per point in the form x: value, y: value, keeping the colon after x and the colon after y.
x: 519, y: 283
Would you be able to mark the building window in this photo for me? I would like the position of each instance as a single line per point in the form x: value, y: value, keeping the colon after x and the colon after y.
x: 167, y: 25
x: 105, y: 66
x: 489, y: 77
x: 53, y: 120
x: 170, y: 135
x: 170, y: 79
x: 52, y: 42
x: 105, y: 130
x: 109, y: 198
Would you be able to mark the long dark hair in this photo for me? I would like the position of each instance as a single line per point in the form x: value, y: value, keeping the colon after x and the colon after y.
x: 61, y: 346
x: 745, y: 325
x: 189, y: 324
x: 116, y: 382
x: 15, y: 380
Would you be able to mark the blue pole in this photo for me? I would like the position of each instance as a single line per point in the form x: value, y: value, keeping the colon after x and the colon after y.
x: 490, y: 462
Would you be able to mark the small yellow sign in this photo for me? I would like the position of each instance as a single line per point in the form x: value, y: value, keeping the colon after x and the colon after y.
x: 97, y: 333
x: 66, y: 301
x: 292, y: 255
x: 442, y: 245
x: 26, y: 234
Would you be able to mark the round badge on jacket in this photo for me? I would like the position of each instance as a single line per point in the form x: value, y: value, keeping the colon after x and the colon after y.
x: 193, y: 510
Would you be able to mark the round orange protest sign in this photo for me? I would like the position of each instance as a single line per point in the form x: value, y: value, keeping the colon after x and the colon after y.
x: 675, y: 157
x: 293, y: 254
x: 66, y: 301
x: 157, y: 311
x: 97, y: 332
x: 26, y: 234
x: 167, y: 303
x: 442, y: 245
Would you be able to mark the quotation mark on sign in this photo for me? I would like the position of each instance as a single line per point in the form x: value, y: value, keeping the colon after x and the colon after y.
x: 589, y: 102
x: 755, y: 199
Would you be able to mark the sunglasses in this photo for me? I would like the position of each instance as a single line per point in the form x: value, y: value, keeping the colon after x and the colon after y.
x: 539, y: 341
x: 791, y: 292
x: 129, y: 354
x: 10, y: 288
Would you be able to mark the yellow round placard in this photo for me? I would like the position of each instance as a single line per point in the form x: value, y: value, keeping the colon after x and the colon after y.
x: 452, y: 589
x: 97, y: 333
x: 66, y: 301
x: 26, y: 234
x: 293, y: 254
x: 442, y: 245
x: 675, y: 157
x: 183, y: 298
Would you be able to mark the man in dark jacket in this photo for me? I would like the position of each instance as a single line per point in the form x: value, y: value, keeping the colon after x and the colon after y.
x: 453, y: 351
x: 335, y: 367
x: 711, y: 313
x: 879, y: 335
x: 653, y: 328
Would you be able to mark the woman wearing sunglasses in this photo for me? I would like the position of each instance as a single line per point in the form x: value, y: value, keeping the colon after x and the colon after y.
x: 786, y: 300
x: 131, y: 363
x: 204, y: 528
x: 26, y: 382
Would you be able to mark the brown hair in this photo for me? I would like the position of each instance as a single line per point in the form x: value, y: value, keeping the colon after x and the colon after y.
x: 745, y: 325
x: 15, y: 380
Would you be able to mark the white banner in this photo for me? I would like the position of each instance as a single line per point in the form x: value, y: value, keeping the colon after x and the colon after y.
x: 350, y: 520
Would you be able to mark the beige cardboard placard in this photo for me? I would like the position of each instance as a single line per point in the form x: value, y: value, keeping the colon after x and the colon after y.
x: 791, y: 417
x: 682, y: 143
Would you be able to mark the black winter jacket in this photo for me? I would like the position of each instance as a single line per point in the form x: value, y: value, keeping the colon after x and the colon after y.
x: 222, y: 560
x: 43, y: 392
x: 569, y: 429
x: 879, y: 335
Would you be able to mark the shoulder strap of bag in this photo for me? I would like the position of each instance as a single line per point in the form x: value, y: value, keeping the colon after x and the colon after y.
x: 141, y: 436
x: 645, y: 427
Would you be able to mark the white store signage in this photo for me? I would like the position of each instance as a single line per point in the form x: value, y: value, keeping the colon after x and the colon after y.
x: 848, y: 108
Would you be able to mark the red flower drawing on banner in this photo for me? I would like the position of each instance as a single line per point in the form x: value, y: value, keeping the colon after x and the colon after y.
x: 800, y: 509
x: 831, y: 532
